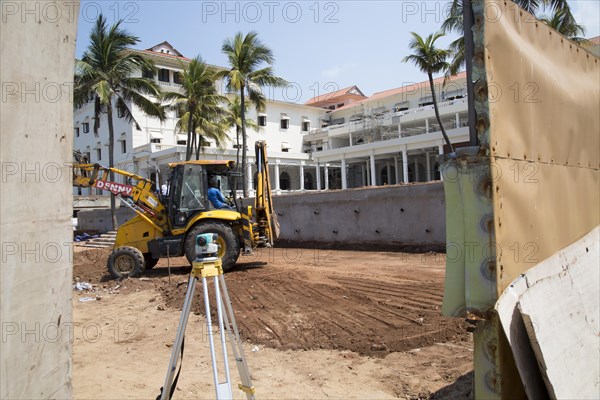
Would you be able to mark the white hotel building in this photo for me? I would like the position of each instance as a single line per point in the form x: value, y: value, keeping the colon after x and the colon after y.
x: 338, y: 140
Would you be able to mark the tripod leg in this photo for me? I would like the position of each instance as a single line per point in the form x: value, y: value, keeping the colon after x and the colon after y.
x: 185, y: 313
x: 223, y: 391
x: 236, y: 344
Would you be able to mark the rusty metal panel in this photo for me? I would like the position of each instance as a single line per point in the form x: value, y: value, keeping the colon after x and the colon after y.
x: 543, y: 120
x: 537, y: 99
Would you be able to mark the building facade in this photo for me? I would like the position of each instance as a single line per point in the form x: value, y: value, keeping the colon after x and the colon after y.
x: 339, y: 140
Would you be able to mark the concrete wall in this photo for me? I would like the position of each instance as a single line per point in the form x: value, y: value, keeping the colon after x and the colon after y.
x: 411, y: 217
x: 391, y: 217
x: 36, y: 73
x: 99, y: 219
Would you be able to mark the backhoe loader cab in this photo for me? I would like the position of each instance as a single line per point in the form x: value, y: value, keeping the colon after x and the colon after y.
x: 188, y: 189
x: 167, y: 224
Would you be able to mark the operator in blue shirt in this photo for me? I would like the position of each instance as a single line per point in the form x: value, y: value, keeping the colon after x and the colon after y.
x: 215, y: 196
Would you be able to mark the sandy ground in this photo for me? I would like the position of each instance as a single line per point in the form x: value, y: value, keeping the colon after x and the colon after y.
x: 315, y: 324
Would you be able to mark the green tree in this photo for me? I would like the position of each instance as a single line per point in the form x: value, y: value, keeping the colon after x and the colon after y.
x: 246, y: 55
x: 430, y: 60
x: 234, y: 120
x: 454, y: 23
x: 106, y: 73
x: 199, y: 106
x: 561, y: 21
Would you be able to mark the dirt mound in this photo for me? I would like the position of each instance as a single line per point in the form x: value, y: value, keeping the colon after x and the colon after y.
x: 299, y: 299
x: 288, y: 306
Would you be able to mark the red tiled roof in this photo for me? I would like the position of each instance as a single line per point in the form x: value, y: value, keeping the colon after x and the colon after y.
x: 164, y: 55
x: 595, y: 40
x: 402, y: 89
x: 334, y: 95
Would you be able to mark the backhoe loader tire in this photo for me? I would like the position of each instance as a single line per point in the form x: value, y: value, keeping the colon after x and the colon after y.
x: 229, y: 244
x: 125, y: 262
x: 150, y: 262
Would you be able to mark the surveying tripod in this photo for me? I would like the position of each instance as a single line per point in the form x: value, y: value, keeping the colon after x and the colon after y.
x: 208, y: 265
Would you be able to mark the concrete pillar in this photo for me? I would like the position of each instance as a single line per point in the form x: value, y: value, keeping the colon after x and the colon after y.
x: 399, y: 130
x: 426, y: 125
x: 428, y: 165
x: 396, y: 170
x: 367, y: 173
x: 417, y: 175
x: 302, y: 175
x: 277, y: 183
x: 441, y: 151
x: 318, y: 169
x: 457, y: 120
x: 326, y: 175
x: 405, y: 165
x: 373, y: 170
x: 350, y: 136
x: 344, y: 180
x: 35, y: 230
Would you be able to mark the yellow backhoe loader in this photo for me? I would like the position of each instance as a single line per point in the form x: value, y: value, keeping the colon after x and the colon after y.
x: 168, y: 222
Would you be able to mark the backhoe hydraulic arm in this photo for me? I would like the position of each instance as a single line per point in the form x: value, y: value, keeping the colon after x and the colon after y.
x: 143, y: 200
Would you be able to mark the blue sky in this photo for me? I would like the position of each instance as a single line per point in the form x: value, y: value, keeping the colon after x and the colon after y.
x: 319, y: 46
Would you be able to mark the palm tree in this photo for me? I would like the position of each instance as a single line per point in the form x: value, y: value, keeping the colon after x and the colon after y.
x: 234, y: 119
x: 454, y: 23
x: 246, y: 54
x: 106, y: 73
x: 561, y: 21
x: 199, y: 106
x: 430, y: 60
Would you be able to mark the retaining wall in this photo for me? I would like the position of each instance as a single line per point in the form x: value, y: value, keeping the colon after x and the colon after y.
x: 99, y: 219
x: 407, y: 217
x: 404, y: 217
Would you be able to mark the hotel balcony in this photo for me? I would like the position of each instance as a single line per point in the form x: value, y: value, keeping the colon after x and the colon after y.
x: 391, y: 125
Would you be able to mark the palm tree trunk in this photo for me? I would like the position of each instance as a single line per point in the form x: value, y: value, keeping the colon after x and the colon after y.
x: 243, y: 117
x: 198, y: 147
x: 193, y: 146
x: 188, y: 147
x: 237, y: 142
x: 111, y: 161
x: 437, y: 113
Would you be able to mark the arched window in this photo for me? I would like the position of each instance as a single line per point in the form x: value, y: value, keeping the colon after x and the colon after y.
x: 284, y: 181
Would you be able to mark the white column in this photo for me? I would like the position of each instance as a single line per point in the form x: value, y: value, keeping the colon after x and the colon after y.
x: 389, y: 172
x: 457, y: 120
x: 405, y: 165
x: 428, y: 164
x: 399, y: 129
x: 302, y: 175
x: 344, y: 180
x: 350, y: 136
x: 441, y: 151
x: 417, y: 175
x: 426, y: 125
x: 373, y: 170
x: 318, y: 173
x: 249, y: 177
x: 326, y: 176
x: 396, y: 170
x: 277, y: 186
